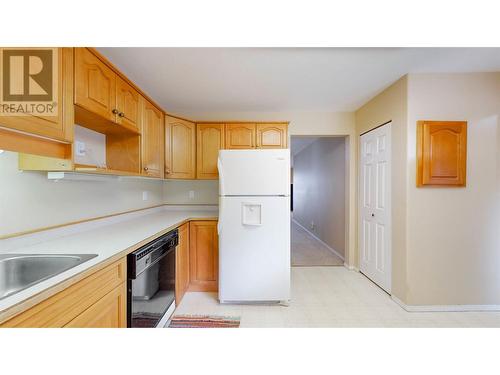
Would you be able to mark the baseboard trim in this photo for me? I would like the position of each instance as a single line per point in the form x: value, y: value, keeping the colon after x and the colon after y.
x: 445, y: 308
x: 351, y: 268
x: 315, y: 237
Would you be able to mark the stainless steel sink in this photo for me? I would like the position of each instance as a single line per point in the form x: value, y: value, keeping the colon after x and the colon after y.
x: 20, y: 271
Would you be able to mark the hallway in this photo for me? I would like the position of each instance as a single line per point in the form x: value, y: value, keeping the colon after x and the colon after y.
x: 308, y: 251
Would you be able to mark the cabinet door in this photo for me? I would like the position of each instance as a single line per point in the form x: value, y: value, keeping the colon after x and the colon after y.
x: 109, y: 312
x: 240, y: 136
x: 128, y: 105
x: 182, y: 264
x: 152, y: 140
x: 180, y: 158
x: 203, y: 256
x: 60, y: 125
x: 210, y: 139
x: 95, y: 84
x: 272, y: 136
x: 441, y: 153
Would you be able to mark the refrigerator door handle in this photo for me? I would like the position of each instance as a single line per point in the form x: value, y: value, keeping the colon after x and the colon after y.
x: 221, y: 177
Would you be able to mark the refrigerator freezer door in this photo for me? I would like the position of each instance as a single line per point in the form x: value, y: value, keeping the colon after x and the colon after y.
x: 254, y: 172
x: 254, y: 249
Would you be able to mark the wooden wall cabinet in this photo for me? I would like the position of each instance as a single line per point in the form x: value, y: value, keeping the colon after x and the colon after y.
x: 260, y: 135
x: 239, y: 136
x: 180, y: 149
x: 272, y: 135
x: 97, y: 301
x: 100, y: 91
x: 203, y: 256
x: 441, y: 153
x: 152, y: 140
x: 209, y: 140
x: 182, y: 264
x: 58, y: 127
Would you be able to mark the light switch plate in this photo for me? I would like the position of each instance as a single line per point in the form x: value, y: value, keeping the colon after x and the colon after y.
x: 191, y: 194
x: 145, y: 195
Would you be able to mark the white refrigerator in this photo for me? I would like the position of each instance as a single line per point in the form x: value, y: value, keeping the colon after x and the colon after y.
x: 254, y: 225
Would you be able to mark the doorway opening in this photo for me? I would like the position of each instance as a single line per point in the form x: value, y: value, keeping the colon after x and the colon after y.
x: 318, y: 200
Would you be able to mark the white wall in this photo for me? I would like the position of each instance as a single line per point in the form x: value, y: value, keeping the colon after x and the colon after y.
x: 453, y: 252
x: 319, y: 190
x: 177, y: 191
x: 29, y: 201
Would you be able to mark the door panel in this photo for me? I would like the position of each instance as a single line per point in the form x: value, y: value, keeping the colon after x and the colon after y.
x: 441, y: 153
x: 180, y: 150
x: 242, y: 172
x: 128, y: 104
x: 203, y: 256
x: 95, y: 84
x: 152, y: 140
x: 59, y: 126
x: 272, y: 136
x: 254, y: 248
x: 182, y: 264
x: 375, y: 206
x: 210, y: 139
x: 109, y: 312
x: 240, y: 136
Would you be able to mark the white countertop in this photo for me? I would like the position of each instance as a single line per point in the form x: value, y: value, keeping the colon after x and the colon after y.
x: 105, y: 237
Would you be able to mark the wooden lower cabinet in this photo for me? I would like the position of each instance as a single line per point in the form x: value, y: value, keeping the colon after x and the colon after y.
x: 109, y: 312
x: 182, y: 264
x: 99, y: 300
x: 203, y: 256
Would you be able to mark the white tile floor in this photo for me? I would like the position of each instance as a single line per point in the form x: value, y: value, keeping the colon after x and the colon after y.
x: 333, y: 297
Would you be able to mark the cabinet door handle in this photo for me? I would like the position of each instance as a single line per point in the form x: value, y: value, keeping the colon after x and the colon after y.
x: 121, y: 114
x: 146, y: 169
x: 167, y: 170
x: 115, y: 111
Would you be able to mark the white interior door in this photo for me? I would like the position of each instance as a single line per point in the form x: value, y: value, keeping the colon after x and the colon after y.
x: 375, y: 206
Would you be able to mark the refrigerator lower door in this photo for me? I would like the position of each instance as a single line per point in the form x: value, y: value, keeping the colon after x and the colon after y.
x: 254, y: 249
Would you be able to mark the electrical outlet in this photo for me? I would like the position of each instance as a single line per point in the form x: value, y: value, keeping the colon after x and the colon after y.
x: 80, y: 148
x: 145, y: 195
x: 191, y: 194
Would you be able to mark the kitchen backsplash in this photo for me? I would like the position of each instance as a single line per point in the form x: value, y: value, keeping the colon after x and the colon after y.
x: 29, y: 201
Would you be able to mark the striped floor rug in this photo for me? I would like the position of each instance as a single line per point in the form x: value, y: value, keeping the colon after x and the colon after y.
x: 204, y: 321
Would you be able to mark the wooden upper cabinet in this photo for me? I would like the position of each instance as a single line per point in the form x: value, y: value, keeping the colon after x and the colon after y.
x: 152, y: 140
x: 239, y: 136
x: 203, y: 256
x: 180, y: 148
x: 182, y: 264
x: 209, y: 140
x: 272, y: 135
x: 95, y: 84
x: 60, y: 125
x: 128, y: 104
x: 441, y: 153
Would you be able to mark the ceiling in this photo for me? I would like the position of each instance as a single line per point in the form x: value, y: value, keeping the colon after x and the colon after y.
x: 186, y: 80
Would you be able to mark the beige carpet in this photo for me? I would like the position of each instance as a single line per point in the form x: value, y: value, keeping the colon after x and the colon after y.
x: 308, y: 251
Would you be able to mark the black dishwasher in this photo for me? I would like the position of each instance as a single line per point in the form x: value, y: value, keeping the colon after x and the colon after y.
x: 151, y: 282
